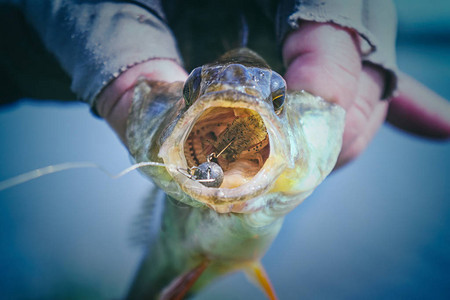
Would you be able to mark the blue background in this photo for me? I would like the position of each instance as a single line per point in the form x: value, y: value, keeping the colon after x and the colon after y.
x: 377, y: 229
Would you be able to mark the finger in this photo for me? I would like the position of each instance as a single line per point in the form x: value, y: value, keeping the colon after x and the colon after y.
x: 323, y: 59
x: 419, y: 110
x: 366, y: 114
x: 365, y: 136
x: 368, y: 94
x: 154, y: 69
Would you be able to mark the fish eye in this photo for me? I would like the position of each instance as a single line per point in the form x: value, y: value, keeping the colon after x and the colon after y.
x: 278, y: 91
x: 191, y: 87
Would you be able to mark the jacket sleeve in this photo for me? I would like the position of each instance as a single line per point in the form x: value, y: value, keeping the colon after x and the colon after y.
x: 94, y: 41
x: 374, y: 20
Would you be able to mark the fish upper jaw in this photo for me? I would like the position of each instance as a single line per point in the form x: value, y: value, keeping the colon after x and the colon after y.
x: 250, y: 80
x: 228, y: 88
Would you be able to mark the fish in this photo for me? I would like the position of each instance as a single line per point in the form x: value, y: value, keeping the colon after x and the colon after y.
x: 263, y: 148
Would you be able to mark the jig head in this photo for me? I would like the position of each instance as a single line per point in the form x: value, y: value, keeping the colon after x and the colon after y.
x: 209, y: 173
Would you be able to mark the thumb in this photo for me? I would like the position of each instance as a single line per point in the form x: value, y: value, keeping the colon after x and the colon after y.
x: 419, y: 110
x: 323, y: 59
x: 114, y: 102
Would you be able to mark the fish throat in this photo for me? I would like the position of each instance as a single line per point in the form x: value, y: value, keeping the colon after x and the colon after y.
x: 234, y: 138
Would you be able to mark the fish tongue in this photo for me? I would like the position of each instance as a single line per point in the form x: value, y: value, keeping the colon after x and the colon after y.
x: 237, y: 174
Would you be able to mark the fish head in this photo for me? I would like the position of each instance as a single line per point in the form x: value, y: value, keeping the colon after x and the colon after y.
x: 274, y: 147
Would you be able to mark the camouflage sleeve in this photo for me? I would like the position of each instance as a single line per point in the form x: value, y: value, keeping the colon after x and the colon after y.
x: 94, y: 41
x: 374, y: 20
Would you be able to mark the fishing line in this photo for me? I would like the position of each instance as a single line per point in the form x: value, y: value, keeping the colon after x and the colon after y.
x: 22, y: 178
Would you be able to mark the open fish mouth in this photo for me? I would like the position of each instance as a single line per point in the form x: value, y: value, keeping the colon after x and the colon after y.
x: 237, y: 134
x: 241, y: 131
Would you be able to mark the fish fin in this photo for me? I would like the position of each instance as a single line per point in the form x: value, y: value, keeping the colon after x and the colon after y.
x: 258, y: 275
x: 147, y: 222
x: 181, y: 285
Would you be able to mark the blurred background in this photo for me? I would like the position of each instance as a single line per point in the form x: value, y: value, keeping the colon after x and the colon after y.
x: 377, y: 229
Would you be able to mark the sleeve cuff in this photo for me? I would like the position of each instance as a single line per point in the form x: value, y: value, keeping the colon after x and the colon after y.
x: 96, y: 41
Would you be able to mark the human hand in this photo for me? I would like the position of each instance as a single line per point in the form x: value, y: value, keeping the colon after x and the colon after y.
x: 324, y: 59
x: 113, y: 103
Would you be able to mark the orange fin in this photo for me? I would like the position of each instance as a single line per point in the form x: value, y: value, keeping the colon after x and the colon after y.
x: 258, y: 275
x: 181, y: 285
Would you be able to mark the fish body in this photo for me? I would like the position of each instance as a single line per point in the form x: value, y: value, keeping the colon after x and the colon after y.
x: 190, y: 236
x: 275, y: 148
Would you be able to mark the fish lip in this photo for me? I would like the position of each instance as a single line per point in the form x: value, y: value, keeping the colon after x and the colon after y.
x: 225, y: 200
